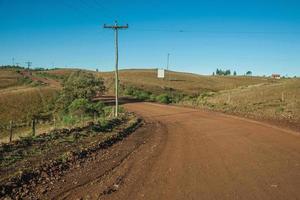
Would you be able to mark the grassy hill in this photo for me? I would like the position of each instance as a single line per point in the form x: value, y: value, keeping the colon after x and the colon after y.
x: 255, y: 97
x: 260, y: 98
x: 187, y: 83
x: 21, y: 96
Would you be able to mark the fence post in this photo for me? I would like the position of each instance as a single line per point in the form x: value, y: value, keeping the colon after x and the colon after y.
x: 10, y: 130
x: 33, y: 127
x: 54, y: 121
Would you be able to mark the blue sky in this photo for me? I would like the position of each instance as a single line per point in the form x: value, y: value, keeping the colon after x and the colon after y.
x: 261, y: 36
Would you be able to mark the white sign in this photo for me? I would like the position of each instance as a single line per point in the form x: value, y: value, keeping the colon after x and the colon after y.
x: 160, y: 73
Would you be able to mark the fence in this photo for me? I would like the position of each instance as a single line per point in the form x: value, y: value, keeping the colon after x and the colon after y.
x: 17, y: 129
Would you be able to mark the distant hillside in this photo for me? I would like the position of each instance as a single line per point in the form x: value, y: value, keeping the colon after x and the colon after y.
x: 23, y: 94
x: 183, y: 82
x: 255, y: 97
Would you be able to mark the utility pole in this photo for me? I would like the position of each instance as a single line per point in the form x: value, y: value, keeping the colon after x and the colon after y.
x: 13, y: 61
x: 168, y: 61
x: 28, y: 64
x: 116, y: 28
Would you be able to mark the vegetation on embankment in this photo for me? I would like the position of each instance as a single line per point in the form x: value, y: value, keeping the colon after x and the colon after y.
x: 55, y: 105
x: 261, y: 98
x: 279, y: 102
x: 34, y: 159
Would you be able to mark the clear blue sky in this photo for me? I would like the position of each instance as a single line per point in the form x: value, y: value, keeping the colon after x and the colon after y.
x: 258, y: 35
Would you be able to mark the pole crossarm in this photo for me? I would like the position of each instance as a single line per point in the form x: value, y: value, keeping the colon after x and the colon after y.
x: 116, y: 27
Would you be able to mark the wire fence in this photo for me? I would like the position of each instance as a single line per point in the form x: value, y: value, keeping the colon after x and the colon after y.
x: 15, y: 130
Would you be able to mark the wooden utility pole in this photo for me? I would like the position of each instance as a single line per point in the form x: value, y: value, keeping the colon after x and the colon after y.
x: 28, y: 64
x: 168, y: 61
x: 116, y: 27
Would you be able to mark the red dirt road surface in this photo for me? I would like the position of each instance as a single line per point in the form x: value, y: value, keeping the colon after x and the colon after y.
x: 184, y: 153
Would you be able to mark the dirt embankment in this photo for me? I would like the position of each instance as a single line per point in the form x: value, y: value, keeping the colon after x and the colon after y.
x: 28, y: 165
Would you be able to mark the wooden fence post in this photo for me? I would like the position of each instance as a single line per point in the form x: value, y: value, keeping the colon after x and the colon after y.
x: 54, y: 121
x: 33, y: 127
x: 10, y: 130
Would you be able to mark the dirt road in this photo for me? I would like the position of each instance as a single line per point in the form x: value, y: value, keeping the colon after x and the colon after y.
x: 183, y: 153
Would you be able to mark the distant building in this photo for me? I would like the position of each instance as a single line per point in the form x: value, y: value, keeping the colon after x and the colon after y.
x: 276, y: 76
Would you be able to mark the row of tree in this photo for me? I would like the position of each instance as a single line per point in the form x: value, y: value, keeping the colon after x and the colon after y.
x: 227, y: 72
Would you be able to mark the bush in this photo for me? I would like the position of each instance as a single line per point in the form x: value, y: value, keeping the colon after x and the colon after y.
x: 69, y: 120
x: 152, y: 97
x: 141, y: 95
x: 137, y: 93
x: 96, y: 108
x: 79, y: 106
x: 163, y: 98
x: 83, y: 106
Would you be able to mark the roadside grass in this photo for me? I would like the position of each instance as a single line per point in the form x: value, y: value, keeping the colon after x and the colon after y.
x: 31, y: 151
x: 278, y: 101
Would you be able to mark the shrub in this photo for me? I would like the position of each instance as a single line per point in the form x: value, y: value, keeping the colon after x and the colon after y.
x: 96, y: 108
x: 163, y: 98
x: 141, y: 95
x: 68, y: 119
x: 79, y: 106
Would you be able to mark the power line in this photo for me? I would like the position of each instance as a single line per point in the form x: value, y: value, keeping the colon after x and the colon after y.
x: 213, y: 32
x: 116, y: 28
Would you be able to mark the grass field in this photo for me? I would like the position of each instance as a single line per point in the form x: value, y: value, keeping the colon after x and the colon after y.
x: 255, y: 97
x: 9, y: 78
x: 278, y: 101
x: 20, y: 98
x: 252, y: 97
x: 183, y: 82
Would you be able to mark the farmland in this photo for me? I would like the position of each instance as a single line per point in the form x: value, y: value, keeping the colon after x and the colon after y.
x: 260, y: 98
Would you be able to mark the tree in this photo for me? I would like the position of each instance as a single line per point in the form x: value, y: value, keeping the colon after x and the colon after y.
x: 249, y: 73
x: 234, y: 73
x: 227, y: 72
x: 79, y: 85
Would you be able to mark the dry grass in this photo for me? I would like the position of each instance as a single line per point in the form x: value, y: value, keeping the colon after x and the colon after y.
x: 184, y: 82
x: 279, y: 101
x: 9, y: 78
x: 254, y: 97
x: 257, y: 97
x: 21, y: 103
